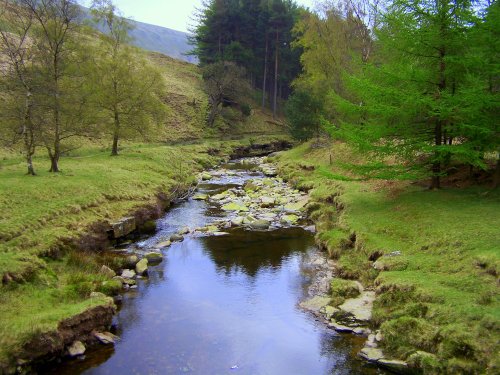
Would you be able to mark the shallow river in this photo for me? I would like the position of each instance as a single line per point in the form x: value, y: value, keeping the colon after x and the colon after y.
x: 223, y: 305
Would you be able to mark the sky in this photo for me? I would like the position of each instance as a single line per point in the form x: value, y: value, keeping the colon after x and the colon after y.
x: 174, y: 14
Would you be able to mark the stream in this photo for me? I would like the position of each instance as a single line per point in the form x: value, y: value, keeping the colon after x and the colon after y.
x: 223, y: 303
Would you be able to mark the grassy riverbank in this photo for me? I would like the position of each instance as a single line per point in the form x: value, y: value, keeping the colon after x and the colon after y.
x: 437, y: 304
x: 44, y: 279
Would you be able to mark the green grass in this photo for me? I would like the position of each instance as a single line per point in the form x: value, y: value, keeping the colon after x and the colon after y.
x: 441, y: 294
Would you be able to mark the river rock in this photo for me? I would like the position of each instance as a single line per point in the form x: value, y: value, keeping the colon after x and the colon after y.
x: 123, y: 227
x: 393, y: 365
x: 205, y: 176
x: 131, y: 261
x: 176, y: 238
x: 260, y: 224
x: 290, y: 219
x: 339, y: 327
x: 128, y: 274
x: 108, y: 272
x: 184, y: 231
x: 315, y: 304
x: 371, y: 354
x: 328, y: 311
x: 76, y: 349
x: 106, y: 337
x: 250, y: 186
x: 163, y: 244
x: 219, y: 197
x: 235, y: 207
x: 119, y: 278
x: 237, y: 221
x: 154, y: 257
x: 267, y: 201
x: 129, y: 282
x: 361, y: 307
x: 200, y: 197
x: 141, y: 267
x: 362, y: 331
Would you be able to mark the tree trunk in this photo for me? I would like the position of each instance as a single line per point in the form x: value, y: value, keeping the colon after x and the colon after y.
x: 116, y: 135
x: 496, y: 174
x: 54, y: 157
x: 438, y: 128
x: 29, y: 138
x: 54, y: 162
x: 275, y: 99
x: 264, y: 82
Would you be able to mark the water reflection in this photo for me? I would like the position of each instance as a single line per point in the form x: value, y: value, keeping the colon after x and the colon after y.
x: 249, y: 251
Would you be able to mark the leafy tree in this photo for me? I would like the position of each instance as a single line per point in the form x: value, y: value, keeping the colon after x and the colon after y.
x: 18, y: 79
x: 303, y: 113
x: 56, y: 22
x: 127, y: 89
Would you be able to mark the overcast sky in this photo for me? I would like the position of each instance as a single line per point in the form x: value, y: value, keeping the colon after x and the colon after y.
x: 174, y: 14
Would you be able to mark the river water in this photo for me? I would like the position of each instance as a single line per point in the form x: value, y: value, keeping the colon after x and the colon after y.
x: 223, y: 305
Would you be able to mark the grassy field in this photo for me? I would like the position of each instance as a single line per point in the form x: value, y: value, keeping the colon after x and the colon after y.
x: 437, y: 304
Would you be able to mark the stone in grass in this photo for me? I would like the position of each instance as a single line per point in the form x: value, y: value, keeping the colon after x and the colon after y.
x: 108, y: 272
x: 141, y: 267
x: 176, y: 238
x: 106, y: 337
x: 76, y: 349
x: 235, y: 207
x: 154, y: 257
x: 360, y: 308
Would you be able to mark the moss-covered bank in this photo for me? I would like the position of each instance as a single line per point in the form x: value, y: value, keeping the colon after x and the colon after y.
x: 431, y: 256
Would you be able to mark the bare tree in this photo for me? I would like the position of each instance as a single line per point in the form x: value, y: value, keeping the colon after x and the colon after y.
x: 224, y: 81
x: 17, y: 72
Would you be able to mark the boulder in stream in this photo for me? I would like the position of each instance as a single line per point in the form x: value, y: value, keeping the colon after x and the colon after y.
x: 176, y: 238
x: 76, y: 349
x: 235, y: 207
x: 141, y: 267
x: 260, y: 224
x: 154, y: 257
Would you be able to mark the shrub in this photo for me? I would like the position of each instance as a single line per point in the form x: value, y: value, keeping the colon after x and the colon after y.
x: 246, y: 109
x: 303, y: 114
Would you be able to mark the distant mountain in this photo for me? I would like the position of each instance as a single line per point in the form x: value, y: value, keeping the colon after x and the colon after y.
x: 170, y: 42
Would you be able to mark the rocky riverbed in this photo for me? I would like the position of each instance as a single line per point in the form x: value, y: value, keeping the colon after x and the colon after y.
x: 265, y: 203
